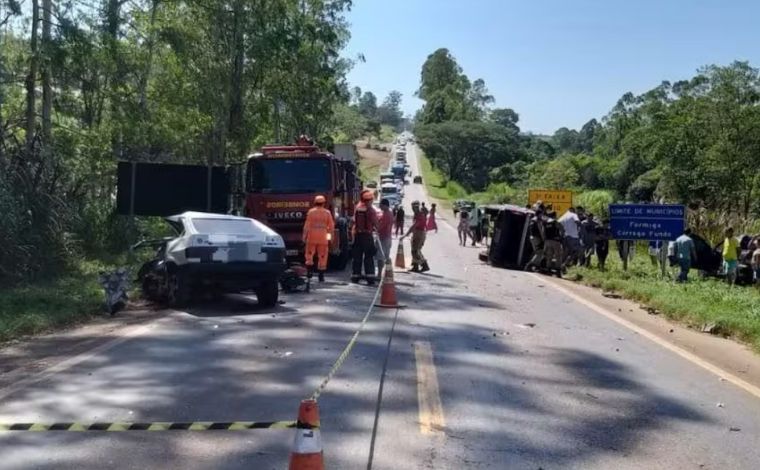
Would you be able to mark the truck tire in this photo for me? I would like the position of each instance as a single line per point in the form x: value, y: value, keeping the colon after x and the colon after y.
x: 268, y: 293
x: 339, y: 261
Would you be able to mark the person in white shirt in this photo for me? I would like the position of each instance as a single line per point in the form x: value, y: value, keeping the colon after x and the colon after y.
x: 571, y: 223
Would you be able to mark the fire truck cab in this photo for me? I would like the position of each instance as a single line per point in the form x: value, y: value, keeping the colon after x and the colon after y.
x: 281, y: 183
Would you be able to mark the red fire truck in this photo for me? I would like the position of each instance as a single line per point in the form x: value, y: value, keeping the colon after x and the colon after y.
x: 280, y: 187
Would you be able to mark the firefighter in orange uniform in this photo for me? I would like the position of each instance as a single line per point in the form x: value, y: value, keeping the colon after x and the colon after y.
x: 365, y: 224
x: 317, y: 232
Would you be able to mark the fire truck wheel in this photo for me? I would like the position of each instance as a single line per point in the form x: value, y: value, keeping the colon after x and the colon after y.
x: 339, y: 261
x: 268, y: 293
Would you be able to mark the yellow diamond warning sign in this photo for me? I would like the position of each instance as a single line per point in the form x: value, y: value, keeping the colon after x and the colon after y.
x: 559, y: 200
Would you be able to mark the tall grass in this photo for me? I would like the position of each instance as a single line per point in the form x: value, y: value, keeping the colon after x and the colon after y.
x: 596, y: 202
x: 735, y: 311
x: 36, y: 308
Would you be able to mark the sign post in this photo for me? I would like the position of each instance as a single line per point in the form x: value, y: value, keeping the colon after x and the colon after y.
x: 662, y: 222
x: 559, y: 199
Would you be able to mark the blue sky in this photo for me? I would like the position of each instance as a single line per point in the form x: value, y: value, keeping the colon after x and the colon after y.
x: 556, y: 62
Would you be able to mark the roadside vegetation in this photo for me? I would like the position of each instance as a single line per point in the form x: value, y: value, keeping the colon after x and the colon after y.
x: 82, y: 87
x: 32, y: 308
x: 708, y: 304
x: 372, y: 162
x: 691, y: 141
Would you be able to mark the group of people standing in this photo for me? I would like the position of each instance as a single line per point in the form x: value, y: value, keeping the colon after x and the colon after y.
x: 473, y: 224
x: 568, y: 240
x: 683, y: 253
x: 372, y: 236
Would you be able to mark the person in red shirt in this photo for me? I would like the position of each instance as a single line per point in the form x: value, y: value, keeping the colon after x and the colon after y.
x: 384, y: 235
x: 363, y: 251
x: 418, y: 230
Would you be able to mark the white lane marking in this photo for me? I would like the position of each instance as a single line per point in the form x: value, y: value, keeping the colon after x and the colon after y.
x: 428, y: 393
x: 78, y: 359
x: 744, y: 385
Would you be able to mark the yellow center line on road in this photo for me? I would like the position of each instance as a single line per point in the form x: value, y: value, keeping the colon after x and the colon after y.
x: 428, y: 394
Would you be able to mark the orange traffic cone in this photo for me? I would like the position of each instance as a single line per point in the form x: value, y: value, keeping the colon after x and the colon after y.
x: 400, y: 261
x: 388, y: 289
x: 306, y: 453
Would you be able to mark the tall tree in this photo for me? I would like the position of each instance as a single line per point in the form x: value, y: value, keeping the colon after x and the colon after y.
x: 31, y: 78
x: 47, y: 87
x: 368, y: 105
x: 439, y: 72
x: 505, y: 117
x: 390, y: 111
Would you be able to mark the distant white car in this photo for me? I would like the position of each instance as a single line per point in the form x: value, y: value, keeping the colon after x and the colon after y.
x: 390, y: 191
x: 216, y: 253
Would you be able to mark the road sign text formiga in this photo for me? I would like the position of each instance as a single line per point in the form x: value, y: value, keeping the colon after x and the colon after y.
x: 647, y: 221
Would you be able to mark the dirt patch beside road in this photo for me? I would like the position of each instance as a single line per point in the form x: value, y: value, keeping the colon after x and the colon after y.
x: 372, y: 162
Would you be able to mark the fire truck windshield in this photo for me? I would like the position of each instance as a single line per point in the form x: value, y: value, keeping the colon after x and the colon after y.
x: 289, y: 175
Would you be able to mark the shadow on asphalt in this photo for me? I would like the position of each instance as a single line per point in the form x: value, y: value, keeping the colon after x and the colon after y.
x: 230, y: 374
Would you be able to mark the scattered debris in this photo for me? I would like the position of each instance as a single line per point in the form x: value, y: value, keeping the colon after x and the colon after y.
x: 612, y: 295
x: 671, y: 330
x: 216, y: 326
x: 734, y: 429
x: 711, y: 328
x: 652, y: 311
x: 720, y: 405
x: 288, y: 353
x: 592, y: 396
x: 527, y: 325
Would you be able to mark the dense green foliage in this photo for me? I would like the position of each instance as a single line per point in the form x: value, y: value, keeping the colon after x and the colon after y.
x: 84, y: 84
x: 361, y: 116
x: 695, y: 142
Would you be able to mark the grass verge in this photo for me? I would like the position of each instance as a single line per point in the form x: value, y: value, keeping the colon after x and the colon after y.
x: 372, y: 163
x: 734, y: 311
x: 69, y: 299
x: 437, y: 188
x: 40, y: 307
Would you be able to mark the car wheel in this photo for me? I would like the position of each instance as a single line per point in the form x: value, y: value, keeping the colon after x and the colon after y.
x: 268, y: 293
x: 150, y: 289
x: 177, y: 292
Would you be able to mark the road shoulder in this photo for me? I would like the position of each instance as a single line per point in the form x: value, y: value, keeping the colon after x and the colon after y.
x: 27, y: 357
x: 723, y: 353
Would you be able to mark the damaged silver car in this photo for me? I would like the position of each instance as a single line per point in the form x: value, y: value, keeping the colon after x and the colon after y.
x: 213, y: 253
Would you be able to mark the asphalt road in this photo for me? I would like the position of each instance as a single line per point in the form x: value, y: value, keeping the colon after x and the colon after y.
x: 487, y: 369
